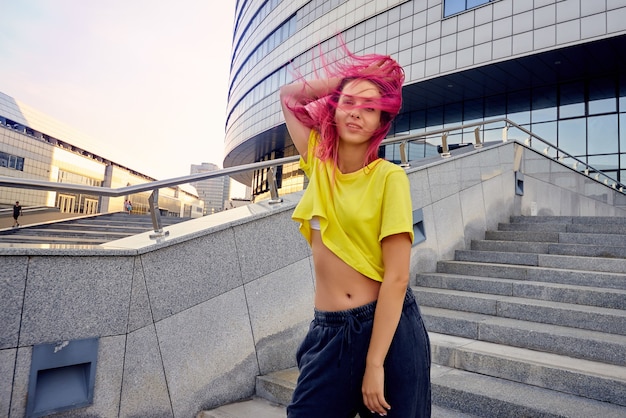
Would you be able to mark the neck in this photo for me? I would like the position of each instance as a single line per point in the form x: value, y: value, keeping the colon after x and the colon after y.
x: 351, y: 158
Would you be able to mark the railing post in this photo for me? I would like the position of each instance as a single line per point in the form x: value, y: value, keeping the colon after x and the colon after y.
x: 404, y: 161
x: 505, y: 133
x: 155, y: 214
x: 274, y: 198
x: 477, y: 142
x: 445, y: 151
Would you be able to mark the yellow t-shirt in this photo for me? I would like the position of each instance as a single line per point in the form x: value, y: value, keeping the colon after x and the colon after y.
x: 356, y: 210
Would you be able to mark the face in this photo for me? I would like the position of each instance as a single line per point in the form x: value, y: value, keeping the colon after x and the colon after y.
x: 355, y: 120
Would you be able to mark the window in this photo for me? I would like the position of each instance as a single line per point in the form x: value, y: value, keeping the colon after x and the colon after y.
x: 602, y: 134
x: 452, y: 7
x: 11, y: 161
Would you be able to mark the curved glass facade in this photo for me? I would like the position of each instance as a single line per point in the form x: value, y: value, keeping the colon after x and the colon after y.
x: 554, y: 67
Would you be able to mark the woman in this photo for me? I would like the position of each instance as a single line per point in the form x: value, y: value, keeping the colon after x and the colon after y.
x: 367, y: 350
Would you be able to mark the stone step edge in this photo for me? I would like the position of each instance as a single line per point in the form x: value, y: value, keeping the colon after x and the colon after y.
x: 566, y: 219
x: 491, y: 396
x: 522, y: 301
x: 553, y: 248
x: 534, y: 268
x: 574, y: 263
x: 573, y: 342
x: 534, y: 368
x: 511, y: 283
x: 258, y: 407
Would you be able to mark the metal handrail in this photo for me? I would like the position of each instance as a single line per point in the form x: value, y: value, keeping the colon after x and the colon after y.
x: 578, y: 163
x: 403, y: 140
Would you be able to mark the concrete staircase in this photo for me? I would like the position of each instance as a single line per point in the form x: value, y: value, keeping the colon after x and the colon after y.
x: 529, y: 322
x: 84, y: 230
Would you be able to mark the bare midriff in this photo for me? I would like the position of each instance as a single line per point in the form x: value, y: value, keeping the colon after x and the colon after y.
x: 337, y: 285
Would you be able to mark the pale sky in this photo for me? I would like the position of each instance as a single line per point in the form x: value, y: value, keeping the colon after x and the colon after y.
x: 146, y: 79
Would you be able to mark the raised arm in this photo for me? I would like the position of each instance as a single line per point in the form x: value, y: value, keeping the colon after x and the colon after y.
x: 301, y: 94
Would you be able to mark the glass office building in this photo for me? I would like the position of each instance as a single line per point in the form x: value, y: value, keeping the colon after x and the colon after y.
x: 36, y: 146
x: 213, y: 192
x: 556, y: 67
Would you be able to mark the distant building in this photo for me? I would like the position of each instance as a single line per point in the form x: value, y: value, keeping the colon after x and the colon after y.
x: 214, y: 192
x: 35, y: 146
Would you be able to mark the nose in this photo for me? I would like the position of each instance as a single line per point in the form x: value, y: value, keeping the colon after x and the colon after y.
x: 354, y: 113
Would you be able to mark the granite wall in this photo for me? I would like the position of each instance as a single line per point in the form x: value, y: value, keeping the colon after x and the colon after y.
x: 185, y: 323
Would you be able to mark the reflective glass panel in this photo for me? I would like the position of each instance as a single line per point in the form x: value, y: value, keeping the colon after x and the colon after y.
x: 434, y: 117
x: 473, y: 109
x: 451, y: 7
x: 453, y: 114
x: 622, y: 93
x: 604, y: 163
x: 418, y: 120
x: 622, y: 132
x: 602, y: 134
x: 572, y: 100
x: 543, y: 115
x: 544, y: 104
x: 521, y: 118
x: 572, y: 136
x: 474, y: 3
x: 546, y: 131
x: 518, y: 107
x: 602, y: 106
x: 602, y: 96
x: 495, y: 106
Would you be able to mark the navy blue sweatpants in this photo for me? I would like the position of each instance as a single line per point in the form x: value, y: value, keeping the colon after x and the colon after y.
x: 331, y: 360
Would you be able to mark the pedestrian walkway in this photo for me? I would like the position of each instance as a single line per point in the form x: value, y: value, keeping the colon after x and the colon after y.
x: 47, y: 227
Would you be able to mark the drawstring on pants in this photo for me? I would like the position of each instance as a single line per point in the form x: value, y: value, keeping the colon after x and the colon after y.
x: 351, y: 325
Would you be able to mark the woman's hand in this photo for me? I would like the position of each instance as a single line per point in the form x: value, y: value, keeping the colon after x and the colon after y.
x: 382, y: 67
x: 373, y: 390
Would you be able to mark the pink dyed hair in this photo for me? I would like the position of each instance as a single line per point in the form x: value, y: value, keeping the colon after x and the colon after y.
x: 381, y: 70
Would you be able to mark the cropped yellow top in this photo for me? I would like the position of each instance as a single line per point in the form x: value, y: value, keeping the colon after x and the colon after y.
x: 355, y: 210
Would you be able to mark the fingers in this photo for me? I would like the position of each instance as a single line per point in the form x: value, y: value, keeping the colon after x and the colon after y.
x: 375, y: 401
x: 373, y: 390
x: 377, y: 405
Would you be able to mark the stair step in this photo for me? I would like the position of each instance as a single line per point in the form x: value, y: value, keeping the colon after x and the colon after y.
x: 489, y: 396
x: 533, y: 227
x: 261, y: 408
x: 569, y: 219
x: 583, y: 250
x: 567, y: 341
x: 609, y: 265
x: 594, y: 380
x: 34, y: 239
x: 70, y: 232
x: 556, y: 292
x: 84, y: 230
x: 252, y: 408
x: 593, y: 228
x: 532, y: 273
x: 526, y: 236
x: 612, y: 321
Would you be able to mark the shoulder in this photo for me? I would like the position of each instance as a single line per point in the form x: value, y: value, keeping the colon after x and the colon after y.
x: 388, y: 169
